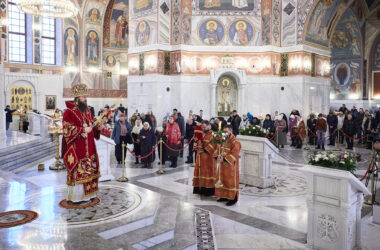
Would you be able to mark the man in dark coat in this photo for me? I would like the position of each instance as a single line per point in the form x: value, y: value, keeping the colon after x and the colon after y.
x: 311, y: 123
x: 349, y: 128
x: 8, y: 116
x: 181, y: 124
x: 343, y: 109
x: 332, y: 122
x: 190, y: 125
x: 235, y: 121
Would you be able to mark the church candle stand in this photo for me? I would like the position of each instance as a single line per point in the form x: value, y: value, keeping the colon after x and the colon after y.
x: 160, y: 171
x: 122, y: 178
x: 58, y: 164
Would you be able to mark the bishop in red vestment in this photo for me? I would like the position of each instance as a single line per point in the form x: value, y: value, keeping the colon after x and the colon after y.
x: 79, y: 149
x: 205, y: 164
x: 227, y: 185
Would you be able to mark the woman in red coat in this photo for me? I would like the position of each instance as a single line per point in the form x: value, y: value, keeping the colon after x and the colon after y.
x: 173, y: 135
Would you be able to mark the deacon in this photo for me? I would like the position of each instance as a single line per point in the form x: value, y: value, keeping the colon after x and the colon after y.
x: 205, y: 165
x: 227, y: 186
x: 78, y: 148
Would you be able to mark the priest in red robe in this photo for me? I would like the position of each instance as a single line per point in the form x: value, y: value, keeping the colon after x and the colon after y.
x: 205, y: 164
x: 227, y: 185
x: 79, y: 149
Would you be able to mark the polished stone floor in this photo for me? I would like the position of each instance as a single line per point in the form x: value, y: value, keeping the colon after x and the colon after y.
x: 160, y: 212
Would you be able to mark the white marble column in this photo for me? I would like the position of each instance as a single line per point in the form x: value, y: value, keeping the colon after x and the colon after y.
x: 242, y: 108
x: 213, y: 100
x: 2, y: 104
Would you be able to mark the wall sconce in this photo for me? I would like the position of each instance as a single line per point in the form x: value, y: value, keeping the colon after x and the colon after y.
x: 306, y: 64
x: 151, y: 62
x: 295, y: 64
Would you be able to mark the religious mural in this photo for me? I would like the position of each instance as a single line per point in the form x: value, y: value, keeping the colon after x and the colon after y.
x: 119, y: 24
x: 266, y: 11
x: 142, y: 33
x: 92, y: 48
x: 376, y: 56
x: 227, y: 5
x: 372, y: 4
x: 320, y: 19
x: 227, y: 96
x: 71, y: 47
x: 94, y: 15
x: 142, y: 5
x: 211, y: 32
x: 346, y: 56
x: 241, y: 32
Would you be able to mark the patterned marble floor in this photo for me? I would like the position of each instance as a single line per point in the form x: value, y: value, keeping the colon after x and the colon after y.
x: 160, y: 212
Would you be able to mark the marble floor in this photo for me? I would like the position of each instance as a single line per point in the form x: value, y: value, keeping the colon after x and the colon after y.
x: 160, y: 212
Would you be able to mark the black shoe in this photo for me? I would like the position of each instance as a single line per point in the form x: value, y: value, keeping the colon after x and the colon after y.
x: 231, y: 203
x: 319, y: 147
x: 188, y: 161
x: 137, y: 162
x: 323, y: 147
x: 222, y: 200
x: 282, y: 146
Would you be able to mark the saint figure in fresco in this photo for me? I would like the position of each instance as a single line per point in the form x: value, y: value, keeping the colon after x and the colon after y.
x: 121, y: 30
x: 141, y: 4
x: 212, y: 3
x: 71, y: 47
x: 94, y: 15
x: 241, y: 36
x: 240, y: 3
x: 142, y: 37
x: 342, y: 74
x: 92, y: 48
x: 211, y: 35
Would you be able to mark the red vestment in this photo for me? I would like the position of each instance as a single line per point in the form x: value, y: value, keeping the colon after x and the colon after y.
x: 198, y: 134
x: 79, y: 149
x: 205, y: 164
x: 229, y: 169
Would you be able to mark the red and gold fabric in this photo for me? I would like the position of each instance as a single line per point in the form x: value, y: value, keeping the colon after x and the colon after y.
x: 301, y: 130
x: 229, y: 169
x: 198, y: 134
x: 205, y: 164
x: 79, y: 149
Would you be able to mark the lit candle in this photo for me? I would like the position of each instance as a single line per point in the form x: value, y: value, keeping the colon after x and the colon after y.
x: 220, y: 126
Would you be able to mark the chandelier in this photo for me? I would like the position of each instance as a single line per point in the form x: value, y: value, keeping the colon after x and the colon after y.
x: 49, y: 8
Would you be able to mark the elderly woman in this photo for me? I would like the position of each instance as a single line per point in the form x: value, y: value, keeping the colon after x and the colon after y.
x: 160, y: 134
x: 147, y: 143
x: 119, y: 135
x: 280, y: 125
x: 173, y: 138
x: 136, y: 142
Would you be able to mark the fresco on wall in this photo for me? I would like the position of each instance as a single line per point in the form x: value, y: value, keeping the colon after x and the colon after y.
x: 376, y: 56
x: 119, y: 24
x: 142, y: 5
x: 142, y: 33
x: 372, y: 4
x: 94, y: 15
x: 346, y: 78
x: 92, y: 48
x: 226, y: 5
x: 70, y: 47
x: 266, y: 11
x: 211, y: 32
x: 303, y: 11
x: 241, y: 32
x: 319, y: 21
x: 346, y: 39
x: 227, y: 95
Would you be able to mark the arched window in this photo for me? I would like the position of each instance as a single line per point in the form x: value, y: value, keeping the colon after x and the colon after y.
x: 17, y: 33
x: 48, y: 33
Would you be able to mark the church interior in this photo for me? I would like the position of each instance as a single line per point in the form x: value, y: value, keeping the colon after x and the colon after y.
x: 246, y: 124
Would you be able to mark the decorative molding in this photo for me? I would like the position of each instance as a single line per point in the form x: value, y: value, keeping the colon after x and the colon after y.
x: 99, y: 93
x: 327, y: 228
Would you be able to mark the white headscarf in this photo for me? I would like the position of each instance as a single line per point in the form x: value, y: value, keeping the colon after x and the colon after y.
x: 136, y: 129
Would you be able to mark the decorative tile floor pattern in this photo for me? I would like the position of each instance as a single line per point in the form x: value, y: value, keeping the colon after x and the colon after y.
x: 205, y: 234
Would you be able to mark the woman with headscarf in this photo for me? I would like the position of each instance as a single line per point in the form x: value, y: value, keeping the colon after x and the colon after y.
x: 268, y: 124
x: 293, y: 134
x: 136, y: 141
x: 173, y: 137
x: 119, y: 135
x: 147, y: 143
x: 280, y: 125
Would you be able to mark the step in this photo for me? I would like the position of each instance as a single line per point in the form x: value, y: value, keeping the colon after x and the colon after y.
x: 23, y: 146
x: 4, y: 160
x: 31, y: 160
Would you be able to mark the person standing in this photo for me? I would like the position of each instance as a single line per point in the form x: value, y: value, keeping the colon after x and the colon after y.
x: 190, y: 125
x: 173, y: 137
x: 147, y: 144
x: 311, y: 123
x: 349, y: 130
x: 300, y: 132
x: 332, y: 121
x: 359, y: 122
x: 292, y: 124
x: 341, y: 118
x: 181, y: 124
x: 235, y: 121
x: 119, y: 135
x: 321, y: 128
x: 136, y: 141
x: 369, y: 126
x: 343, y: 109
x: 268, y: 124
x: 160, y: 134
x: 79, y: 149
x: 280, y: 125
x: 8, y: 116
x: 244, y: 122
x: 205, y: 166
x: 228, y: 171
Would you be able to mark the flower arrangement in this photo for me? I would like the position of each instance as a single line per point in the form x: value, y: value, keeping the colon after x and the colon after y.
x: 337, y: 160
x: 106, y: 132
x: 219, y: 137
x: 254, y: 131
